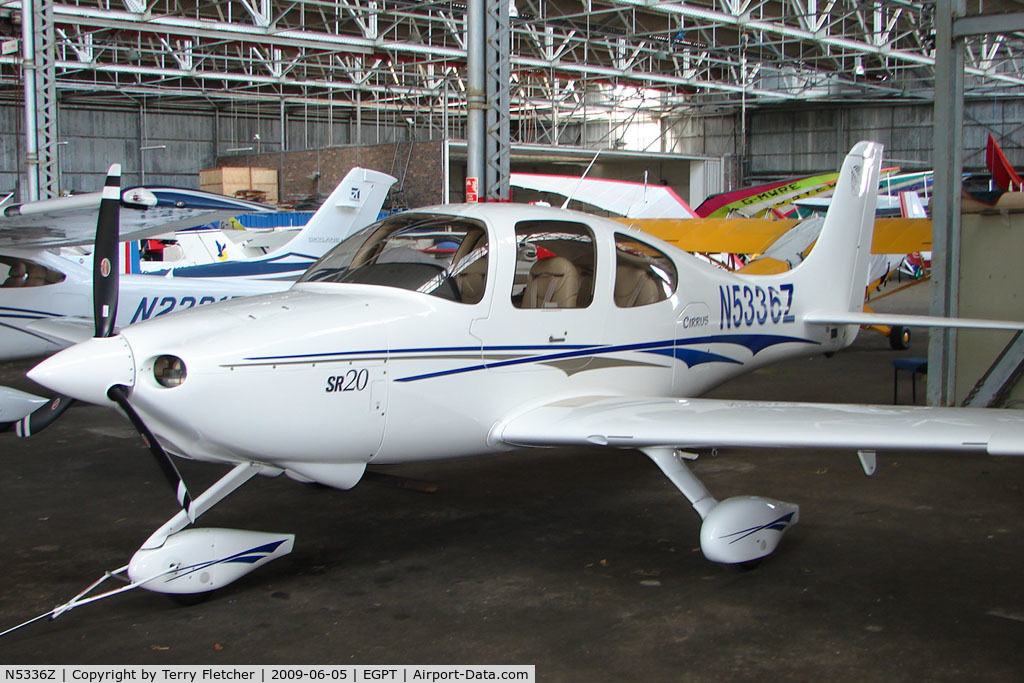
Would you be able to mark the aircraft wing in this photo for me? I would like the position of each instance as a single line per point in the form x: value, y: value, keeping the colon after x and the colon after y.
x: 715, y: 235
x: 756, y: 235
x: 863, y: 318
x: 15, y: 404
x: 709, y: 423
x: 630, y: 199
x: 71, y: 329
x: 901, y: 235
x: 756, y: 201
x: 145, y: 212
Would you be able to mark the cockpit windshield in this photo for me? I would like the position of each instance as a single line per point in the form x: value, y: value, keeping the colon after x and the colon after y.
x: 444, y: 256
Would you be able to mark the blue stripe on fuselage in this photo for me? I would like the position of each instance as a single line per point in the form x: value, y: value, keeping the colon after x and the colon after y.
x: 673, y: 348
x: 246, y: 268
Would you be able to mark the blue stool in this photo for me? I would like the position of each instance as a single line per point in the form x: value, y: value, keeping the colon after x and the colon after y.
x: 916, y: 366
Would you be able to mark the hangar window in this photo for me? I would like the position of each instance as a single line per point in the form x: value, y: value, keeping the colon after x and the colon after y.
x: 554, y: 265
x: 643, y: 275
x: 443, y: 256
x: 18, y: 272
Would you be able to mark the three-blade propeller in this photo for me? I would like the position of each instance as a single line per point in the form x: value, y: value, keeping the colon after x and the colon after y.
x: 105, y: 285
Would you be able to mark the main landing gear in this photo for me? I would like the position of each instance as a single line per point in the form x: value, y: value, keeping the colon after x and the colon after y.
x: 736, y: 531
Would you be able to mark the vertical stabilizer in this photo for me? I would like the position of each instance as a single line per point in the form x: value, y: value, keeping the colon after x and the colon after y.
x: 835, y: 274
x: 353, y: 205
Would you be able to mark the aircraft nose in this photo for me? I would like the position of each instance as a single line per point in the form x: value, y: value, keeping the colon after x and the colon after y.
x: 87, y: 370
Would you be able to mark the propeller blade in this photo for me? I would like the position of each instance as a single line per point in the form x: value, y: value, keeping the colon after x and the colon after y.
x: 43, y: 416
x: 105, y: 265
x: 119, y: 394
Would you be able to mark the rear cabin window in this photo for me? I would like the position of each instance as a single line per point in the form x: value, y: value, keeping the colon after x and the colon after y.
x: 443, y: 256
x: 554, y: 265
x: 643, y: 275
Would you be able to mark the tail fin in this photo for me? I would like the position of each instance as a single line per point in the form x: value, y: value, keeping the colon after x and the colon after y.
x: 353, y: 205
x: 834, y: 275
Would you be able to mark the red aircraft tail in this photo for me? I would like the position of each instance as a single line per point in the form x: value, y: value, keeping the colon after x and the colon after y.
x: 1002, y: 172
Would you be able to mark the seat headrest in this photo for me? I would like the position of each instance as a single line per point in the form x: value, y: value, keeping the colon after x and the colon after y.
x: 555, y: 266
x: 553, y: 283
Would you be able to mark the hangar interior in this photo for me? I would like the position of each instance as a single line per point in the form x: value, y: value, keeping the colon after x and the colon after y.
x: 705, y: 96
x: 770, y: 88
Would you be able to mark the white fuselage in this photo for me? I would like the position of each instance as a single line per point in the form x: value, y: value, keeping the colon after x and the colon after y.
x: 334, y: 376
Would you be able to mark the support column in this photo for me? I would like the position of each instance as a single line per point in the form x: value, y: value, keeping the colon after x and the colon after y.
x: 949, y: 123
x: 499, y: 88
x: 40, y: 100
x: 476, y: 100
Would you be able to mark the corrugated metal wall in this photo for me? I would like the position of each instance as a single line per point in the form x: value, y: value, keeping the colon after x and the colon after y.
x: 799, y: 140
x: 781, y: 141
x: 169, y: 148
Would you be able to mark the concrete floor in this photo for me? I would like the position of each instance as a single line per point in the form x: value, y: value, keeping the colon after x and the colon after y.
x: 582, y: 562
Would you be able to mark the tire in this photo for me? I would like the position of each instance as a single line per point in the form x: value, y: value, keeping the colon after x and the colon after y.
x: 189, y: 599
x: 899, y: 338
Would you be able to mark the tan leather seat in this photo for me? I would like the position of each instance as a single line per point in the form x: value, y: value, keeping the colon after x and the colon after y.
x: 471, y: 281
x: 635, y: 287
x: 585, y: 296
x: 553, y: 283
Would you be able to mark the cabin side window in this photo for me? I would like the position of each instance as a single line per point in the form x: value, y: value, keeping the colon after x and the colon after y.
x: 554, y: 265
x: 18, y: 272
x: 442, y: 256
x: 643, y: 274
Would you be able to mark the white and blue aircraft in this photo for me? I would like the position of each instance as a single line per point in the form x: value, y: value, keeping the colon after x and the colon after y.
x: 524, y: 327
x: 43, y: 294
x: 281, y: 254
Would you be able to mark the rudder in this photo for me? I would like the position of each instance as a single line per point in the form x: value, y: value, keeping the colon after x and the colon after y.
x: 354, y: 204
x: 842, y: 253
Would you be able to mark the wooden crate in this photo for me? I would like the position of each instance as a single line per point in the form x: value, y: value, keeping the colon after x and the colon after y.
x: 240, y: 181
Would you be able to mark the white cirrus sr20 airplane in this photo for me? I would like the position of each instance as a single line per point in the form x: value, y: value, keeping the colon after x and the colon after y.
x: 539, y: 327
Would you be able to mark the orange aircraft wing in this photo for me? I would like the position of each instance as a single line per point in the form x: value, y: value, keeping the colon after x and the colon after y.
x: 755, y: 235
x: 715, y: 235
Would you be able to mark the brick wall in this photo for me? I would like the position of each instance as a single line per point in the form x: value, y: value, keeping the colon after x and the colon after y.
x: 416, y: 165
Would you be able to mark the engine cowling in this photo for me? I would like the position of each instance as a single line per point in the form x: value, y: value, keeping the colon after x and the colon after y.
x: 200, y: 560
x: 745, y: 528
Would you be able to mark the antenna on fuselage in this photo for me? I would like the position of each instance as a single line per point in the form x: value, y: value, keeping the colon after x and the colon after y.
x: 582, y: 178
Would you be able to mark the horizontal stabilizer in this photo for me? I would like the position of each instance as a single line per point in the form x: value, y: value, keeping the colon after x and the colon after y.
x: 860, y: 318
